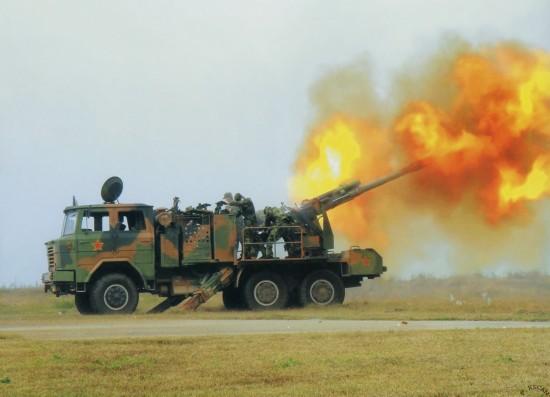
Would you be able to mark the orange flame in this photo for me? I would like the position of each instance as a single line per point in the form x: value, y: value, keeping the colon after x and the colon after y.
x: 515, y: 187
x: 340, y: 150
x: 490, y: 143
x: 489, y: 140
x: 335, y: 152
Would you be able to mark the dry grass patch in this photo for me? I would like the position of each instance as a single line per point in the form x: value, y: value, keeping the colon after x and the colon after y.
x: 517, y: 297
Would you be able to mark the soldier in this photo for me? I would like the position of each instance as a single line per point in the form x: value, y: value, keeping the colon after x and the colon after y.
x: 292, y: 236
x: 279, y: 221
x: 245, y: 209
x: 260, y: 217
x: 219, y: 207
x: 226, y: 203
x: 273, y: 219
x: 227, y: 206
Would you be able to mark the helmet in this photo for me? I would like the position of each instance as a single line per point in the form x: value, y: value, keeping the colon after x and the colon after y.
x: 238, y: 197
x: 228, y: 197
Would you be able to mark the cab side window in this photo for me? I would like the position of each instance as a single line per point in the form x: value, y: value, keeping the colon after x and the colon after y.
x: 95, y: 222
x: 131, y: 221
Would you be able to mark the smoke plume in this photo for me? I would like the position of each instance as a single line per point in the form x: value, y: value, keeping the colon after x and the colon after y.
x: 479, y: 118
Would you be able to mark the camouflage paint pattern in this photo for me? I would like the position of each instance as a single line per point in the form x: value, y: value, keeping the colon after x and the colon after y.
x: 184, y: 286
x: 362, y: 262
x: 197, y: 245
x: 132, y: 245
x: 225, y: 237
x: 85, y: 248
x: 170, y: 242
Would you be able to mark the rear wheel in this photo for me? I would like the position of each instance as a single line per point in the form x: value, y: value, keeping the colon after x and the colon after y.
x: 265, y: 291
x: 82, y: 303
x: 114, y: 294
x: 322, y: 288
x: 232, y: 299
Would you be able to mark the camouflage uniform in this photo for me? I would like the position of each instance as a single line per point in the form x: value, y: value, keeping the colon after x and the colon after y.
x: 273, y: 219
x: 279, y: 221
x: 244, y: 209
x: 226, y: 206
x: 293, y: 235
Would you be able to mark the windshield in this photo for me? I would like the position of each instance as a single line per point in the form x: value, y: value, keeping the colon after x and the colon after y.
x: 69, y: 225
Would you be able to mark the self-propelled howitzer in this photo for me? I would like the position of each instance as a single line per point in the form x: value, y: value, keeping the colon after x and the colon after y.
x: 310, y: 212
x: 110, y: 253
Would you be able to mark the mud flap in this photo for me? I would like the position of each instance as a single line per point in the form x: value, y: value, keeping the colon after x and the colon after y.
x: 208, y: 289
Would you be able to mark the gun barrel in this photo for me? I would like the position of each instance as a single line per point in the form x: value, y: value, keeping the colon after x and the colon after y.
x: 360, y: 189
x: 398, y: 174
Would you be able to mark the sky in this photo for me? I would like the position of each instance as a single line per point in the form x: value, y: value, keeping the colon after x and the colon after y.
x: 190, y: 98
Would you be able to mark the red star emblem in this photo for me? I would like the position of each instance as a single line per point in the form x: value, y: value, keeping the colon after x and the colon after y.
x: 97, y: 245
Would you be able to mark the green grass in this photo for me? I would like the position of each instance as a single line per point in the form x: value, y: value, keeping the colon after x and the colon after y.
x: 440, y: 363
x: 501, y: 362
x: 518, y: 297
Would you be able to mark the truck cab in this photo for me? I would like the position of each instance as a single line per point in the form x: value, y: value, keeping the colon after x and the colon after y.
x: 97, y: 238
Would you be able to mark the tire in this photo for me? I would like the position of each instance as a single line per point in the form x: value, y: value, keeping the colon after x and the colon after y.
x: 82, y: 303
x: 232, y: 299
x: 114, y: 294
x: 321, y: 288
x: 265, y: 291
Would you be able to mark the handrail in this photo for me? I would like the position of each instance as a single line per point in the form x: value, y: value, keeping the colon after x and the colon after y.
x: 250, y: 241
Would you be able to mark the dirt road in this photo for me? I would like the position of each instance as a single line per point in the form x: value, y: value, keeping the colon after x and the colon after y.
x: 151, y: 327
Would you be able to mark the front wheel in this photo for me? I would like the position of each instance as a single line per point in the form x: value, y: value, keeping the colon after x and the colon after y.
x: 321, y: 288
x: 82, y: 303
x: 114, y: 294
x: 265, y: 291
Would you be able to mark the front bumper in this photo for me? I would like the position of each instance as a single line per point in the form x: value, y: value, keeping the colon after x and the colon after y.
x: 47, y: 278
x: 59, y: 281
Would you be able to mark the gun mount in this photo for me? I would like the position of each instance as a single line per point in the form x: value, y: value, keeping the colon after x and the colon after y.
x: 309, y: 213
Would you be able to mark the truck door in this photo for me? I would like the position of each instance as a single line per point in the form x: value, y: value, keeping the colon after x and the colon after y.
x: 134, y: 239
x: 94, y: 238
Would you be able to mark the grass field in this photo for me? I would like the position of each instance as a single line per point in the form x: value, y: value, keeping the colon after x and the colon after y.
x: 440, y: 363
x: 518, y: 297
x: 501, y: 362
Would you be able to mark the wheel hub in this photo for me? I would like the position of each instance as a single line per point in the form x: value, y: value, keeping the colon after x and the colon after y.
x: 116, y: 297
x: 322, y: 292
x: 266, y: 292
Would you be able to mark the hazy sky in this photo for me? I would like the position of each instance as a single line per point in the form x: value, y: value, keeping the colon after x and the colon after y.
x: 189, y: 98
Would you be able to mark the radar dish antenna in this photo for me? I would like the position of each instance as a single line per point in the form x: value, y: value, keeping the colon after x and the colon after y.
x: 111, y: 189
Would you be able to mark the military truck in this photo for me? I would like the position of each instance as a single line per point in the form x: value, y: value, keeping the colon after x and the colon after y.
x: 109, y: 253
